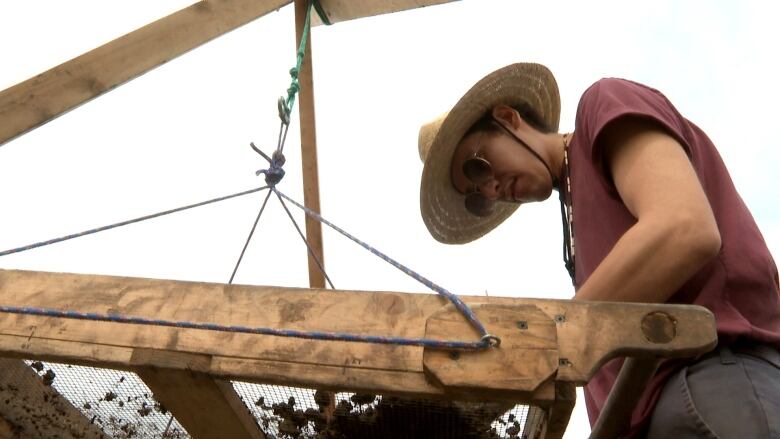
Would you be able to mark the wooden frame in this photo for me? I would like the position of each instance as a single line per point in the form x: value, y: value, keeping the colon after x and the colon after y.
x: 546, y: 344
x: 40, y: 99
x: 342, y: 10
x: 32, y: 103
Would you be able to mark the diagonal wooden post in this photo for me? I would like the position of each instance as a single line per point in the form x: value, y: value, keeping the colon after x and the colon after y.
x: 32, y: 103
x: 311, y: 185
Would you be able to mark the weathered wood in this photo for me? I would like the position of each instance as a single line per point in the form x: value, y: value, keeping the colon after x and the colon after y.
x: 527, y: 357
x: 48, y: 95
x: 588, y: 333
x: 31, y: 409
x: 535, y: 421
x: 559, y: 413
x: 631, y: 383
x: 342, y: 10
x: 311, y: 179
x: 591, y: 333
x: 205, y: 407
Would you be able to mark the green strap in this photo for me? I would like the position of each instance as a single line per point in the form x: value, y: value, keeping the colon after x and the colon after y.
x: 286, y: 105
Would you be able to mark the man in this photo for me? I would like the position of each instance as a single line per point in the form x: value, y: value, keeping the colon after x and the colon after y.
x: 653, y: 217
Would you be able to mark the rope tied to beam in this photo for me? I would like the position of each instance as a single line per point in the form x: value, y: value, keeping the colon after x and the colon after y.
x: 486, y: 340
x: 273, y: 175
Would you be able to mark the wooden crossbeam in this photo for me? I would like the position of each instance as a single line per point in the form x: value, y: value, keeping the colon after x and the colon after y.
x: 547, y: 345
x: 38, y: 100
x: 342, y: 10
x: 207, y: 408
x: 587, y: 333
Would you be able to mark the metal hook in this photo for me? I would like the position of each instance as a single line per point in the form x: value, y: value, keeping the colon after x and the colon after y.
x: 274, y: 173
x: 284, y: 111
x: 257, y: 150
x: 491, y: 340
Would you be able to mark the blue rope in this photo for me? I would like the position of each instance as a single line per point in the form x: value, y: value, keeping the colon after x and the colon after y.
x: 124, y: 223
x: 312, y: 335
x: 459, y: 304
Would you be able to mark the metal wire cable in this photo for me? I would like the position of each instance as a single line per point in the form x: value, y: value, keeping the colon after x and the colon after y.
x: 124, y: 223
x: 249, y: 238
x: 305, y: 241
x: 486, y: 341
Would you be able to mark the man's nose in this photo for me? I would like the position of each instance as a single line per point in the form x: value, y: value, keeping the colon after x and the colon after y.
x: 490, y: 189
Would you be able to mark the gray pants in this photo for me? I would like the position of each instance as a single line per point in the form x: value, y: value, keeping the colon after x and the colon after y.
x: 730, y: 393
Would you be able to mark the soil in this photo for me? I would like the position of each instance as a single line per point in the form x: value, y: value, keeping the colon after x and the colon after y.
x: 365, y: 416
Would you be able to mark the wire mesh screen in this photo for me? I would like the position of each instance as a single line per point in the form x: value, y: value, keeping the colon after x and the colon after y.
x: 116, y: 401
x: 297, y: 413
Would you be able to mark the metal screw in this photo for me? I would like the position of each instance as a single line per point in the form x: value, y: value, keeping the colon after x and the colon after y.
x: 560, y: 318
x: 522, y: 324
x: 563, y: 362
x: 454, y: 355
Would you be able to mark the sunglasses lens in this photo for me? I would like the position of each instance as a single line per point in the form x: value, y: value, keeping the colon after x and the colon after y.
x: 478, y: 205
x: 477, y: 170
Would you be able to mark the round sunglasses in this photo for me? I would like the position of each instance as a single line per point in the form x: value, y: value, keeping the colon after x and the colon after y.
x: 478, y: 171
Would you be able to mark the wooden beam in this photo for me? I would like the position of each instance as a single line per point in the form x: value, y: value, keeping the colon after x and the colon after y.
x: 588, y: 333
x: 38, y: 100
x: 615, y: 417
x: 31, y: 409
x: 342, y: 10
x: 205, y: 407
x: 311, y: 180
x: 558, y: 414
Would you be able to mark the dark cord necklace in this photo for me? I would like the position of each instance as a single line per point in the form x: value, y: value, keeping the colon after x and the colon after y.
x: 567, y: 213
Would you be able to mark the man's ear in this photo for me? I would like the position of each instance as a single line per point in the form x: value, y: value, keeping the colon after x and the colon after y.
x: 507, y: 116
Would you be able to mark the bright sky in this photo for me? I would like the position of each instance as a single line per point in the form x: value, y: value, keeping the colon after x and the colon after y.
x: 180, y: 135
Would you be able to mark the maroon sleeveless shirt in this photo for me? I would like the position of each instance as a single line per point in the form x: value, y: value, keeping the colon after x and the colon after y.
x: 740, y: 285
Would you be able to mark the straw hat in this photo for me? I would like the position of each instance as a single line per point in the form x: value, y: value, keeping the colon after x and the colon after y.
x: 442, y: 206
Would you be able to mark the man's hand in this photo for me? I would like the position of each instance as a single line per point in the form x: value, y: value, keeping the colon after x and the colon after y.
x: 675, y: 233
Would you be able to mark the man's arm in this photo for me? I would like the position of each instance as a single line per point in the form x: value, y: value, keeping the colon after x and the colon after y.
x: 675, y: 233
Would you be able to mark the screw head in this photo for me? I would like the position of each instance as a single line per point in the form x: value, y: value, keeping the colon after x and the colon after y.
x: 522, y: 324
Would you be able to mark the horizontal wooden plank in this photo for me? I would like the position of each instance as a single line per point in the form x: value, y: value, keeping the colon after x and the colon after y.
x: 48, y: 95
x: 342, y: 10
x: 588, y: 333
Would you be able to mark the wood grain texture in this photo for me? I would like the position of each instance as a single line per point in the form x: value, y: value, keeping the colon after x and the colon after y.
x: 309, y: 166
x: 527, y: 357
x: 38, y: 100
x: 207, y: 408
x: 559, y: 413
x: 342, y: 10
x: 588, y: 333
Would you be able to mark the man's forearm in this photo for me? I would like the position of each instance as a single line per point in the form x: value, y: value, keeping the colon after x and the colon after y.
x: 651, y: 261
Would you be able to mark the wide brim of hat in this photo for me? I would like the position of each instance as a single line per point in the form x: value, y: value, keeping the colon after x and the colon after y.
x: 442, y: 207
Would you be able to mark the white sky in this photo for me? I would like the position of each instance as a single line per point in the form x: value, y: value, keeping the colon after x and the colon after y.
x: 180, y: 134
